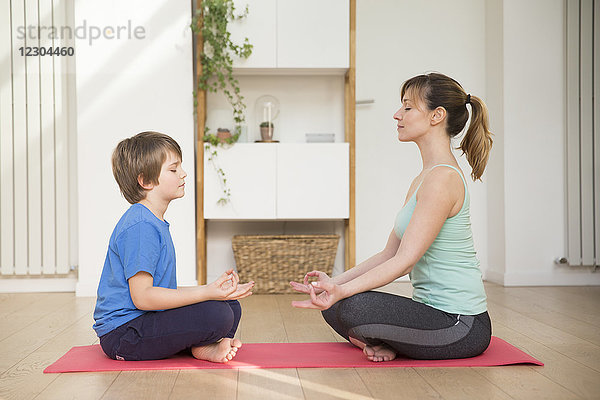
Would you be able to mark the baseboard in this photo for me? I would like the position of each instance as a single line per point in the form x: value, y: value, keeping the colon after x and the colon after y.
x: 567, y: 276
x: 37, y: 285
x: 86, y: 289
x: 494, y: 276
x: 557, y: 279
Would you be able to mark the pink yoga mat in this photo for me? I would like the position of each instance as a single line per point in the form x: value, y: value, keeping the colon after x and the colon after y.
x: 284, y: 355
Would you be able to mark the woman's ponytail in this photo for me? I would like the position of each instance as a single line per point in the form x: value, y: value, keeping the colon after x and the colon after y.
x: 477, y: 142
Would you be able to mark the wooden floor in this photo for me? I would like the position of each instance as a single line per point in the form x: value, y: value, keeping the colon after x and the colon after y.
x: 558, y: 325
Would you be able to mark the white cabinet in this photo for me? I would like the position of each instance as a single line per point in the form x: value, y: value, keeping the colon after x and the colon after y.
x: 251, y: 177
x: 261, y: 30
x: 313, y: 181
x: 280, y: 181
x: 313, y: 33
x: 292, y: 34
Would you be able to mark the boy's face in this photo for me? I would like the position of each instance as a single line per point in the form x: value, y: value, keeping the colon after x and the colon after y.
x: 171, y: 180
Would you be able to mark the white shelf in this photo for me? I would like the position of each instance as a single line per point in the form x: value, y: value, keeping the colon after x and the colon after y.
x: 301, y: 55
x: 289, y: 71
x: 280, y: 181
x: 308, y: 104
x: 294, y: 34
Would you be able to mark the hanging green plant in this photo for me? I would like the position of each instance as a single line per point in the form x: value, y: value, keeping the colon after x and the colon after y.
x: 213, y: 160
x: 211, y: 21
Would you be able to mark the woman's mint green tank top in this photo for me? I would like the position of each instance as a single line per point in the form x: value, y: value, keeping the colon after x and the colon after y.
x: 447, y: 277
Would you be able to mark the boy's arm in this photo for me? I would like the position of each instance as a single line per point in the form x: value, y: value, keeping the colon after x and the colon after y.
x: 145, y: 296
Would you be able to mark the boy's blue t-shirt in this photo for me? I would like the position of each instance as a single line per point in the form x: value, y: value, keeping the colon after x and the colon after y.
x: 139, y: 242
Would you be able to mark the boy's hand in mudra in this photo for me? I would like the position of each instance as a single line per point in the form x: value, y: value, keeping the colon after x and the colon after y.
x: 227, y: 287
x: 323, y: 293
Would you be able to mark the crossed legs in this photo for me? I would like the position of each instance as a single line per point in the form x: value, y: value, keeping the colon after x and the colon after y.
x: 207, y: 329
x: 385, y: 325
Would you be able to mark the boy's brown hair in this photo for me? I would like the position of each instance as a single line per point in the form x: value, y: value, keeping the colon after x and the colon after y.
x: 141, y: 155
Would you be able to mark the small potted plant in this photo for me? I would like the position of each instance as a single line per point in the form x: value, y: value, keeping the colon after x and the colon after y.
x: 223, y: 137
x: 223, y: 134
x: 266, y: 131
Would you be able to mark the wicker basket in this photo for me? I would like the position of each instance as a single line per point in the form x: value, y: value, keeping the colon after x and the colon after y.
x: 273, y: 261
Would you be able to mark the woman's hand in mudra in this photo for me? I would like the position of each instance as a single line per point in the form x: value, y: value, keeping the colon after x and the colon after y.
x: 305, y: 287
x: 323, y: 293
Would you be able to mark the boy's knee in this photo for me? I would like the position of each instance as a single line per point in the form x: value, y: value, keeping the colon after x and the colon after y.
x: 216, y: 315
x: 236, y: 307
x: 224, y: 316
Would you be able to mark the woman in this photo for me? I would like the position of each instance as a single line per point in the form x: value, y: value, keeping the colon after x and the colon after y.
x: 431, y: 241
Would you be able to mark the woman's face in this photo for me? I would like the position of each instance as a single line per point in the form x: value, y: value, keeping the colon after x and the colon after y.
x: 413, y: 118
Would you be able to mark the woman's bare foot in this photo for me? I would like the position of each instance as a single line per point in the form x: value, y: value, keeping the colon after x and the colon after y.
x: 221, y: 351
x: 379, y: 353
x: 375, y: 353
x: 357, y: 343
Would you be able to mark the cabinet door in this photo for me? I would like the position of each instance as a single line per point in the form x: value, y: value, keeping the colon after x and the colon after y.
x: 250, y: 173
x: 313, y: 33
x: 313, y: 181
x: 259, y: 27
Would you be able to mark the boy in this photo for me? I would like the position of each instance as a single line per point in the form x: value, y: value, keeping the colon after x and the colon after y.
x: 140, y: 313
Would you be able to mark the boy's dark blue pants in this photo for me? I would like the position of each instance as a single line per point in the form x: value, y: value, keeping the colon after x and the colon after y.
x: 161, y: 334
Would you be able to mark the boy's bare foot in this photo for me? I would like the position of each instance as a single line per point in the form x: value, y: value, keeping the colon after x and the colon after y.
x: 221, y: 351
x: 379, y: 353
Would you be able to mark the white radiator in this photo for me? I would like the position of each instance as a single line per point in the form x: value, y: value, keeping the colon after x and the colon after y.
x: 34, y: 166
x: 583, y: 134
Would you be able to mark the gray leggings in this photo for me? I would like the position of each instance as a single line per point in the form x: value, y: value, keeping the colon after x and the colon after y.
x: 413, y: 329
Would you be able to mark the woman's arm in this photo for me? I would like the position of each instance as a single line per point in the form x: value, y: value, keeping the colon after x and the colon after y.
x: 388, y: 252
x: 384, y: 255
x: 145, y: 296
x: 436, y: 199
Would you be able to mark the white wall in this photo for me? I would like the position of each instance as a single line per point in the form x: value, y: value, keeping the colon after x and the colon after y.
x: 509, y: 52
x: 534, y: 146
x: 518, y: 212
x: 125, y: 87
x: 395, y: 41
x: 495, y: 169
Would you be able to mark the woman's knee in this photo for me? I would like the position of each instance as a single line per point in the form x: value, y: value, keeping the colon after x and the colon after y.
x: 358, y: 301
x: 353, y: 310
x: 330, y: 316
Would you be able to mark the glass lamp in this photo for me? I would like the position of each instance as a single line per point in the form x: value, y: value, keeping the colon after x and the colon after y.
x: 266, y: 110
